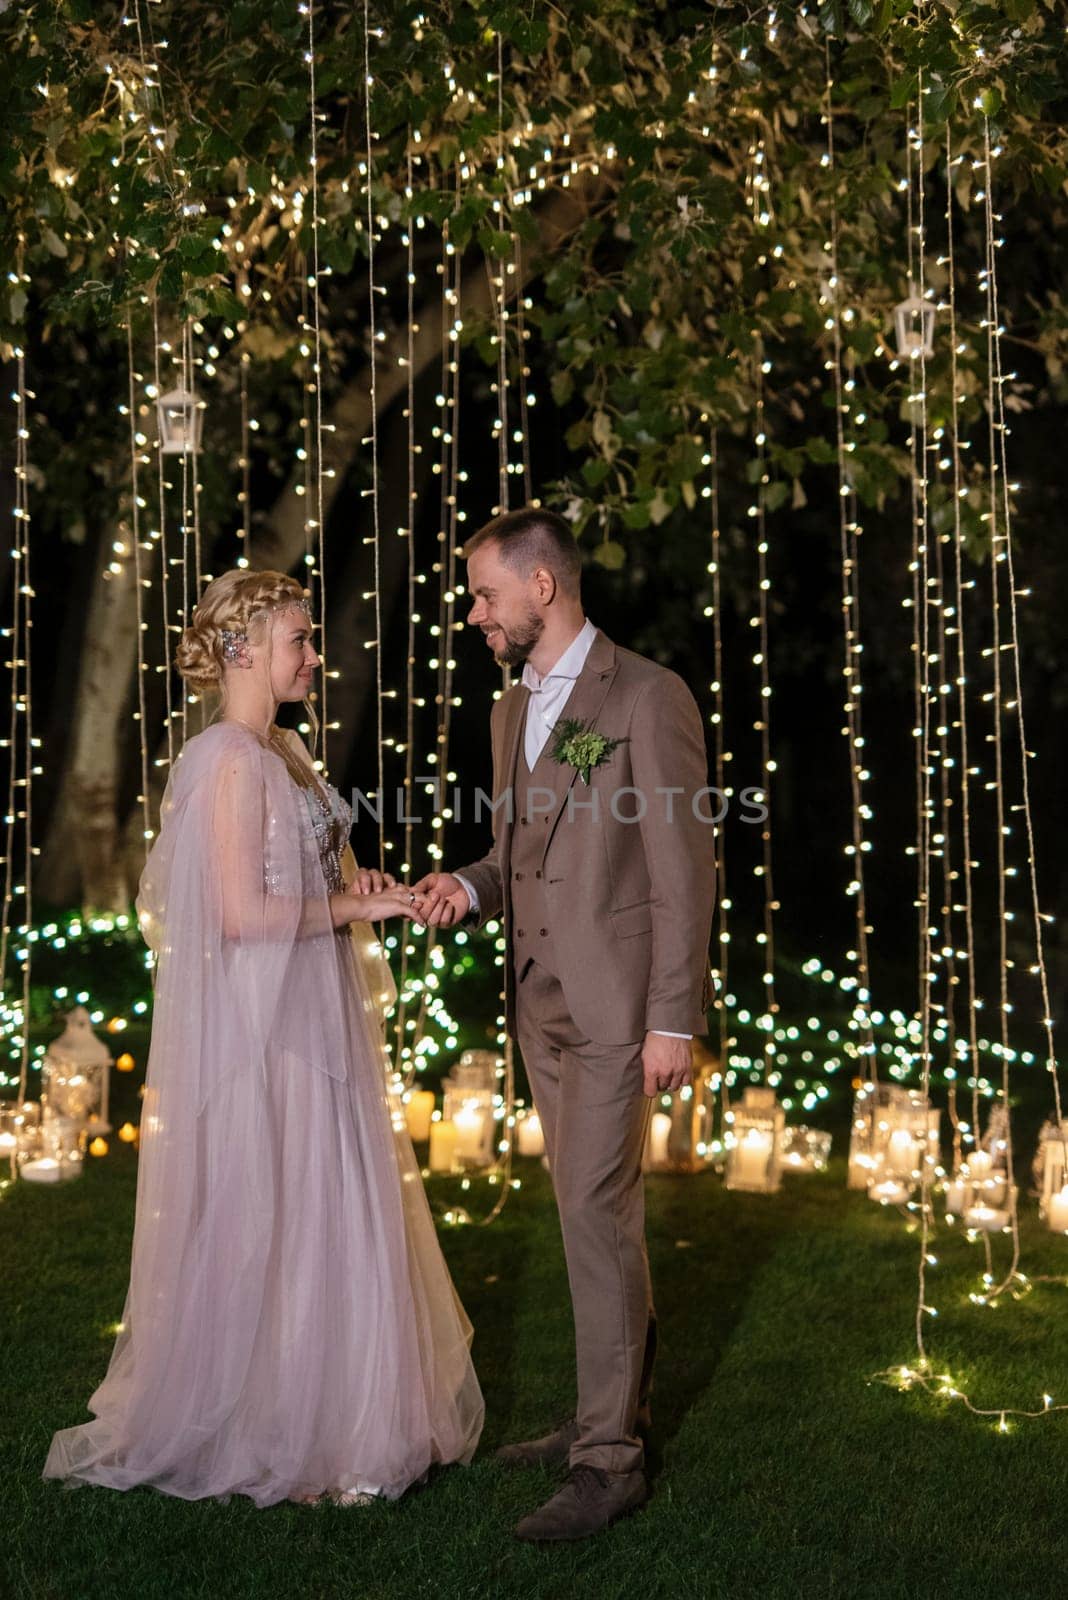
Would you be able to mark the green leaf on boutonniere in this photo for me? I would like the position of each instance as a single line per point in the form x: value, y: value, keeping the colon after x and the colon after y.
x: 576, y: 745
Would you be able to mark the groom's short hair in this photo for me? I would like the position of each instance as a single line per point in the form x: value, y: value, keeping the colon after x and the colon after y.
x: 530, y: 538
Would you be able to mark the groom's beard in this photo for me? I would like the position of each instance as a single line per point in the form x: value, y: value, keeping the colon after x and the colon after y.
x: 520, y: 642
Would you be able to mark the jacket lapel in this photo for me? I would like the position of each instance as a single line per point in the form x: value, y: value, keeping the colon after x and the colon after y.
x: 584, y: 705
x: 506, y: 769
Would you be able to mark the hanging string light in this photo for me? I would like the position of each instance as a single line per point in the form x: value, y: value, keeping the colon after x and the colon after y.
x: 314, y: 115
x: 721, y: 966
x: 849, y: 563
x: 996, y: 398
x: 140, y: 583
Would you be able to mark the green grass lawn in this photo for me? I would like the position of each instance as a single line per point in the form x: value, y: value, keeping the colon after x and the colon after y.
x: 779, y: 1469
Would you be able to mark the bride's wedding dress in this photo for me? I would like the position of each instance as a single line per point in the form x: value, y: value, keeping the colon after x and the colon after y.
x: 291, y: 1328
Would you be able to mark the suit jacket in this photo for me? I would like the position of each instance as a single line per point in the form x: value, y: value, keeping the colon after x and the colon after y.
x: 630, y: 888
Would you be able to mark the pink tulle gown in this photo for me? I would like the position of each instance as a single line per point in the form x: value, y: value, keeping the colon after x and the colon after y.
x: 290, y: 1328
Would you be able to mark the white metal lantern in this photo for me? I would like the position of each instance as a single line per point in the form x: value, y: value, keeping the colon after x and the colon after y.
x: 753, y: 1161
x: 904, y: 1144
x: 679, y: 1132
x: 181, y: 422
x: 914, y: 320
x: 805, y: 1150
x: 469, y: 1094
x: 75, y: 1074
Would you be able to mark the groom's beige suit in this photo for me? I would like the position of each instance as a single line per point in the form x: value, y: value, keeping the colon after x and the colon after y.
x: 607, y: 894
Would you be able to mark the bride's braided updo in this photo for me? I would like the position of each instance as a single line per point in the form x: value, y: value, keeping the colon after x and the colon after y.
x: 233, y: 603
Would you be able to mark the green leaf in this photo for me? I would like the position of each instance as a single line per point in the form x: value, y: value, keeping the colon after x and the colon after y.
x: 611, y: 555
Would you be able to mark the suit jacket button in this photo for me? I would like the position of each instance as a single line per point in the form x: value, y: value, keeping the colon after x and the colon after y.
x: 519, y: 877
x: 519, y: 933
x: 538, y: 873
x: 524, y: 820
x: 544, y: 932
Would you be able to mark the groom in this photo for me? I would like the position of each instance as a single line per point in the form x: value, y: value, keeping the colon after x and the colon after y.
x: 606, y: 889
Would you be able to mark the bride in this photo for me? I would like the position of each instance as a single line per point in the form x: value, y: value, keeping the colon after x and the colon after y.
x: 291, y: 1330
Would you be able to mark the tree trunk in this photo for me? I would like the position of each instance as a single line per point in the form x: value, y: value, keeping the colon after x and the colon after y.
x: 82, y: 859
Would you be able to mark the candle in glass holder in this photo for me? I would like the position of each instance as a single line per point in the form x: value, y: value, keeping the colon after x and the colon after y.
x: 980, y: 1163
x: 900, y: 1152
x: 659, y: 1134
x: 1057, y: 1215
x: 956, y: 1193
x: 470, y: 1130
x: 418, y: 1110
x: 442, y: 1146
x: 987, y: 1219
x: 751, y: 1156
x: 889, y: 1192
x: 45, y: 1169
x: 529, y: 1135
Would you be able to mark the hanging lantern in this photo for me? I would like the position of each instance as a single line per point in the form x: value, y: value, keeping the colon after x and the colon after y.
x: 75, y: 1072
x: 181, y: 422
x: 914, y: 320
x: 679, y: 1134
x: 469, y: 1094
x: 805, y: 1150
x: 755, y: 1138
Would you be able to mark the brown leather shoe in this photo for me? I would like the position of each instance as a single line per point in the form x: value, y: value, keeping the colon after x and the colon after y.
x: 551, y: 1451
x: 589, y: 1501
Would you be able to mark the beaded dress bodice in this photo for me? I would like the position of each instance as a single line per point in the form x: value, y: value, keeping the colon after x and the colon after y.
x: 330, y: 820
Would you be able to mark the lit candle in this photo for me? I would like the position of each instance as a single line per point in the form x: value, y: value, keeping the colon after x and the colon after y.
x: 751, y: 1157
x: 956, y: 1193
x: 442, y: 1146
x: 1058, y: 1211
x: 43, y: 1170
x: 980, y: 1163
x: 470, y: 1129
x: 986, y: 1218
x: 889, y: 1192
x: 418, y: 1110
x: 659, y: 1133
x: 900, y: 1152
x: 529, y: 1135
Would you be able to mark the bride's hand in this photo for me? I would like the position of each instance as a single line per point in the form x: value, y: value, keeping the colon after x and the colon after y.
x: 374, y: 906
x: 369, y: 880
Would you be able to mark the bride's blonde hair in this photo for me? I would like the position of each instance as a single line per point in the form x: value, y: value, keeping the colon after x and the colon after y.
x: 235, y: 602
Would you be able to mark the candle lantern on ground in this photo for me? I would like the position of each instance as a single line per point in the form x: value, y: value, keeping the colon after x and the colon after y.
x: 902, y: 1141
x: 756, y: 1127
x: 529, y: 1135
x: 52, y: 1150
x: 680, y: 1128
x: 20, y: 1127
x: 75, y: 1073
x: 470, y: 1091
x: 805, y: 1150
x: 1053, y: 1176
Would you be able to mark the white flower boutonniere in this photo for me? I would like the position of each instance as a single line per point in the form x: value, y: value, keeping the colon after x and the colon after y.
x: 576, y: 745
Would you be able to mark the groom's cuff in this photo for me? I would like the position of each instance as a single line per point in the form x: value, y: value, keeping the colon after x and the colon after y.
x: 664, y: 1034
x: 469, y: 889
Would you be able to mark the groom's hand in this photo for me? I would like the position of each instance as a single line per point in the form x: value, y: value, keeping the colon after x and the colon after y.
x: 443, y: 900
x: 667, y: 1063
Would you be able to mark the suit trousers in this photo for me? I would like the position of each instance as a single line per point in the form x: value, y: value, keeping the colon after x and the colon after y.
x: 594, y: 1116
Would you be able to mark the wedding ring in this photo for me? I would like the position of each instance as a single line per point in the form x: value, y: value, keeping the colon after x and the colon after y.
x: 411, y: 897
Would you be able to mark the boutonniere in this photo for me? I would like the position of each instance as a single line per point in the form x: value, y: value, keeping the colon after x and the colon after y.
x: 576, y: 745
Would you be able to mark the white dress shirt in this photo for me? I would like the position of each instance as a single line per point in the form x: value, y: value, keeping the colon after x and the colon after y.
x: 546, y: 700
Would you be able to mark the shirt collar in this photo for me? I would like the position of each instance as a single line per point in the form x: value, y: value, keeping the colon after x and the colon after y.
x: 570, y: 663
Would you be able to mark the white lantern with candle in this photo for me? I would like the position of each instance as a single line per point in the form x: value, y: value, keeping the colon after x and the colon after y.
x: 530, y: 1139
x: 75, y: 1073
x: 805, y: 1149
x: 470, y: 1091
x: 753, y: 1161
